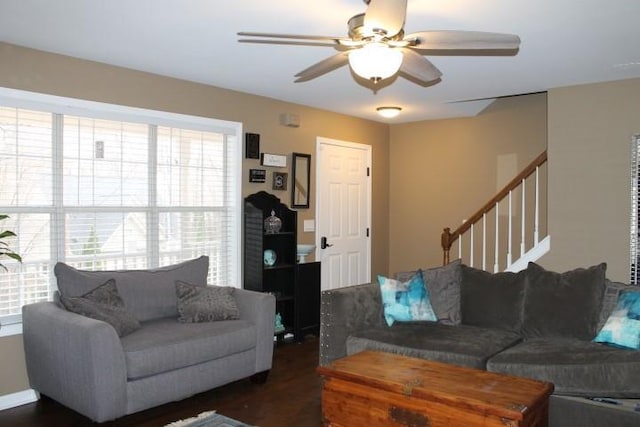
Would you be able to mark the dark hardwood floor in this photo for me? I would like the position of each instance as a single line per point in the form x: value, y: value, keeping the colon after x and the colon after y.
x: 290, y: 397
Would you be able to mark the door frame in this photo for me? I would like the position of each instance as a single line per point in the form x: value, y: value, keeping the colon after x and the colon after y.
x: 368, y: 149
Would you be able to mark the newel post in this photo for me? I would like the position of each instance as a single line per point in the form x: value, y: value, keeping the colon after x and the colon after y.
x: 446, y: 245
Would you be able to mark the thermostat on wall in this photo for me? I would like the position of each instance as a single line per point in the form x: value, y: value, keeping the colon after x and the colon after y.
x: 277, y: 160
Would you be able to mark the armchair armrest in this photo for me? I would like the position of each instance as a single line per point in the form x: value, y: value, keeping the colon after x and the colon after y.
x: 260, y: 309
x: 75, y: 360
x: 343, y: 311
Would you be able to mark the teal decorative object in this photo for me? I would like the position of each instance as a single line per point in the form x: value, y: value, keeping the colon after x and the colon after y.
x: 269, y: 257
x: 279, y: 325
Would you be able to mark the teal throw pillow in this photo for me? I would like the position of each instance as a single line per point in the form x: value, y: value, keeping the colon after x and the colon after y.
x: 623, y: 326
x: 406, y: 301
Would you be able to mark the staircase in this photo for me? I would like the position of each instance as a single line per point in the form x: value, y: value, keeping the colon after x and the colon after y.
x: 509, y: 230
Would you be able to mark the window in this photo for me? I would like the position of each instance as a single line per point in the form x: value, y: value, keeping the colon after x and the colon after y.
x: 106, y: 187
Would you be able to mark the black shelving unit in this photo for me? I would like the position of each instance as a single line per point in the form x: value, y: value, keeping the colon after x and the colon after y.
x: 280, y: 278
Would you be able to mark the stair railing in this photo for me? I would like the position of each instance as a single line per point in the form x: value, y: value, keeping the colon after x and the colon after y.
x: 481, y: 218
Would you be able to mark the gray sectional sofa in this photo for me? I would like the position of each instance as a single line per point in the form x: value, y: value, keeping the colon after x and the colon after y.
x: 145, y: 357
x: 534, y: 323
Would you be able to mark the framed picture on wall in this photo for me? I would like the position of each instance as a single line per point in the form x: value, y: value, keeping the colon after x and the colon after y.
x: 257, y: 175
x: 280, y: 180
x: 252, y: 145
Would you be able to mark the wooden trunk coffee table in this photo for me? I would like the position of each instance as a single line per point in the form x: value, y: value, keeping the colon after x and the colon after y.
x: 383, y: 389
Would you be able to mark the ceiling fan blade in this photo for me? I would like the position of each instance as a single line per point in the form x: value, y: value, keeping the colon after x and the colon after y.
x: 294, y: 37
x: 287, y: 42
x: 461, y: 40
x: 388, y: 15
x: 418, y: 67
x: 323, y: 67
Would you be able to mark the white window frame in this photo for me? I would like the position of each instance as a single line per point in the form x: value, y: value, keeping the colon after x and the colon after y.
x: 12, y: 324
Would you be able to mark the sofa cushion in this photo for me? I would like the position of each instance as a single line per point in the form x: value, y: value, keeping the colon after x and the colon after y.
x: 443, y: 284
x: 460, y: 344
x: 623, y: 326
x: 103, y: 303
x: 609, y: 300
x: 165, y: 344
x: 148, y: 294
x: 492, y: 300
x: 202, y: 303
x: 575, y: 367
x: 563, y: 304
x: 405, y: 301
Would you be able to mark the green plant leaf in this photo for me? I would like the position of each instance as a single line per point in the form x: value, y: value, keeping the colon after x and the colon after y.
x: 4, y: 246
x: 14, y: 256
x: 6, y: 234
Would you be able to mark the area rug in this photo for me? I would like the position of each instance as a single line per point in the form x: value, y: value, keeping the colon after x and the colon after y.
x: 208, y: 419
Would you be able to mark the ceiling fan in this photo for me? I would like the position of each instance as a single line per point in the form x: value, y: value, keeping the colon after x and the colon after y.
x: 377, y: 47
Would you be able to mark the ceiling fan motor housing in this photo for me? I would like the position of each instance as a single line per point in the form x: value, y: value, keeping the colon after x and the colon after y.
x: 357, y: 31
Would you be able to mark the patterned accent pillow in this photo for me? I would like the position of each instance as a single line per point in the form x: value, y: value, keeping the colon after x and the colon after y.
x: 405, y: 301
x: 201, y: 303
x: 623, y: 326
x: 103, y: 303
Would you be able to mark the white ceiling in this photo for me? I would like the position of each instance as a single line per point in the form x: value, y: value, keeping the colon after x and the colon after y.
x: 563, y: 43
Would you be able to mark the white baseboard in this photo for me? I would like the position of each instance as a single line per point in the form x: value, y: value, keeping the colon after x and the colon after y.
x: 18, y: 399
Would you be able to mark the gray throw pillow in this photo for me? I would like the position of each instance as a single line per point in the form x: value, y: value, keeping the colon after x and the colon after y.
x: 492, y: 300
x: 103, y: 303
x: 443, y: 284
x: 563, y: 304
x: 201, y: 303
x: 609, y: 300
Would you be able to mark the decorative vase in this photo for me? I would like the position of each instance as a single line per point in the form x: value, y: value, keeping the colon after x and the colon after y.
x: 269, y: 257
x: 272, y: 224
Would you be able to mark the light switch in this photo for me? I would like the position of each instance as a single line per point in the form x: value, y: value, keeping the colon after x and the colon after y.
x: 309, y: 225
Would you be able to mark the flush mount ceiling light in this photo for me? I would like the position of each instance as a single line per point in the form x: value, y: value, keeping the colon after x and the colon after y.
x: 375, y: 61
x: 389, y: 112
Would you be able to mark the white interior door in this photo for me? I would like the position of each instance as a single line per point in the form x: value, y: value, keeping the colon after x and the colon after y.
x: 343, y: 212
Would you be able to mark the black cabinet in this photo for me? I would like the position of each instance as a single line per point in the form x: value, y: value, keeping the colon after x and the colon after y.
x: 308, y: 298
x: 295, y: 286
x: 279, y: 277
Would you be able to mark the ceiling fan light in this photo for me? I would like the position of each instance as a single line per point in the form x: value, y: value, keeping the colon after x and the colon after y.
x: 389, y: 112
x: 375, y: 61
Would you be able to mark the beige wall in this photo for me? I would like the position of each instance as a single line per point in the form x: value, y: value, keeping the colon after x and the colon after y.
x: 13, y: 370
x: 36, y: 71
x: 427, y: 175
x: 590, y: 130
x: 442, y: 171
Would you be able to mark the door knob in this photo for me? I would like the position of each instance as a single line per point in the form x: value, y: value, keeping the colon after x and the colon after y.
x: 324, y: 244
